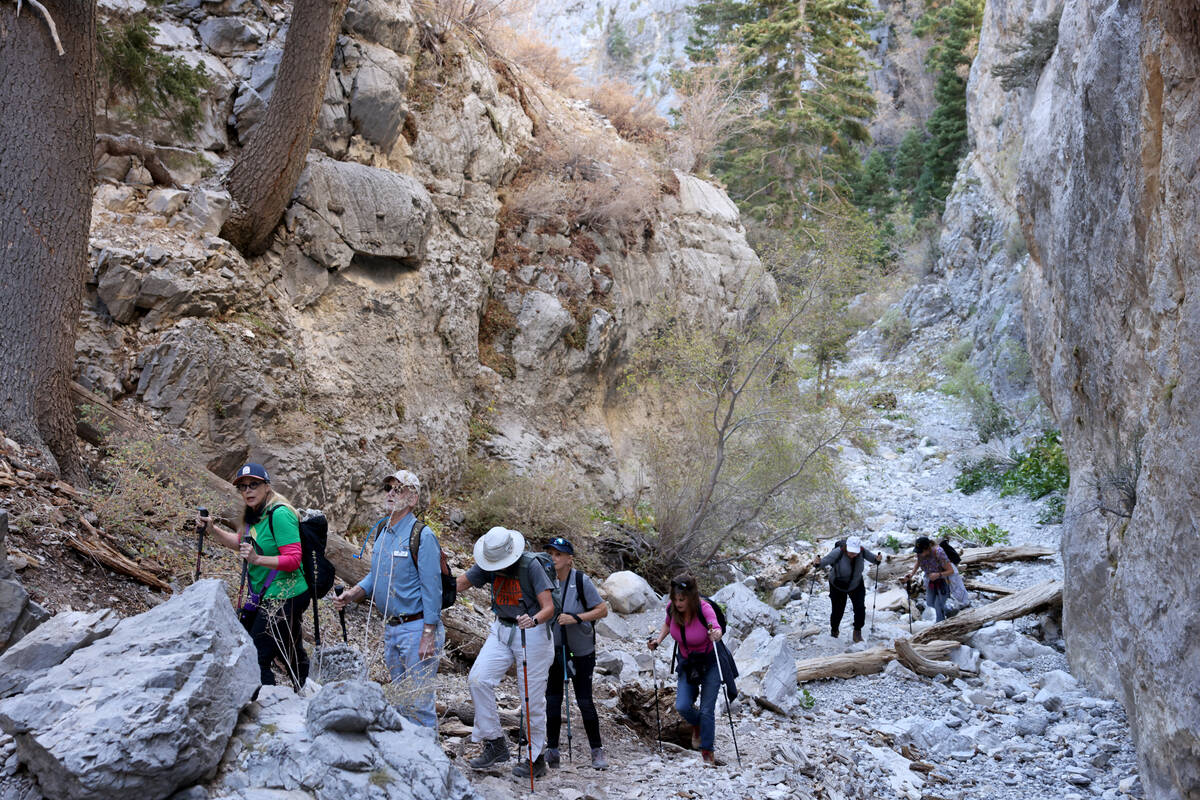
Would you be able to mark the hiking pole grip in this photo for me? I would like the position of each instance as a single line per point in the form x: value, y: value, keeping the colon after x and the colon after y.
x: 203, y: 526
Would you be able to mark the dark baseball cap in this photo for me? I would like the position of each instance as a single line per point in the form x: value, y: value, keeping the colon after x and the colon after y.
x: 252, y: 471
x: 561, y: 545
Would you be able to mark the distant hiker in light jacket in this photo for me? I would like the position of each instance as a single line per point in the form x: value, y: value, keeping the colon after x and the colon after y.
x: 498, y: 562
x: 277, y: 592
x: 577, y: 624
x: 846, y: 580
x: 407, y: 590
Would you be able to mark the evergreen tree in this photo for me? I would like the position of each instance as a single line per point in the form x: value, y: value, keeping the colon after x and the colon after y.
x: 873, y: 186
x: 804, y: 62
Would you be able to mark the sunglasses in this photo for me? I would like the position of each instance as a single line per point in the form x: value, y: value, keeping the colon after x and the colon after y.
x: 250, y: 486
x: 681, y: 585
x: 396, y: 488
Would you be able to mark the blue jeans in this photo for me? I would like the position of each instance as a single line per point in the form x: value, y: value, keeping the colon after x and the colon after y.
x: 937, y: 601
x: 419, y: 678
x: 685, y: 698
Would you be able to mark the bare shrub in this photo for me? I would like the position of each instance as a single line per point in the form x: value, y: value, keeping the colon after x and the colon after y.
x: 538, y: 57
x: 475, y: 19
x: 713, y: 105
x: 635, y: 118
x: 541, y: 506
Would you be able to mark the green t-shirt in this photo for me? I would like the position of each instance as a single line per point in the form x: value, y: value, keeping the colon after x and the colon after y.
x: 286, y: 531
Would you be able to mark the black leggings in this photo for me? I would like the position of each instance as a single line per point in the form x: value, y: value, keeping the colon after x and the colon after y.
x: 583, y: 697
x: 858, y: 598
x: 276, y: 633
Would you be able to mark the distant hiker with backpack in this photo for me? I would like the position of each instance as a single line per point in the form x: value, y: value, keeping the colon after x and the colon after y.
x: 525, y: 599
x: 405, y: 584
x: 932, y: 559
x: 692, y: 622
x: 574, y: 646
x: 277, y: 592
x: 846, y: 581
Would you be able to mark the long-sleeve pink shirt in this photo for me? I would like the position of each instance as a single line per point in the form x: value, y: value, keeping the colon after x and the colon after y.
x: 693, y: 638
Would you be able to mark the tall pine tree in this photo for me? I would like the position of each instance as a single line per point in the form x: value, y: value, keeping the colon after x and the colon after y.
x: 805, y: 66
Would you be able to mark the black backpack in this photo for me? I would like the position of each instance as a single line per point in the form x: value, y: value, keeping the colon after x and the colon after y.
x: 449, y: 590
x: 319, y: 572
x: 950, y: 552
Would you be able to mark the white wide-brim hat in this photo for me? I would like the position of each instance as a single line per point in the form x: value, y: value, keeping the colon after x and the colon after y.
x: 498, y: 548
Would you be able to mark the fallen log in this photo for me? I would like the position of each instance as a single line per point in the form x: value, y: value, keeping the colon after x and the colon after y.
x: 989, y: 588
x: 973, y: 558
x: 94, y: 547
x: 1015, y: 605
x: 863, y: 662
x: 907, y: 655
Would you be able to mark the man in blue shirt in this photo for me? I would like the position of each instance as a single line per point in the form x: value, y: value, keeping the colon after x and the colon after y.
x: 406, y: 587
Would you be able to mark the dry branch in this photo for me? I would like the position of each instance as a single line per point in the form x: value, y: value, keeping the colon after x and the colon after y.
x: 990, y: 588
x: 864, y: 662
x: 132, y: 146
x: 49, y: 23
x: 93, y: 547
x: 907, y: 655
x: 1015, y: 605
x: 972, y: 558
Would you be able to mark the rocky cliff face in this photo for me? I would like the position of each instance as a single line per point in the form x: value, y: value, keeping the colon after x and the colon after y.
x: 405, y: 313
x: 1109, y: 203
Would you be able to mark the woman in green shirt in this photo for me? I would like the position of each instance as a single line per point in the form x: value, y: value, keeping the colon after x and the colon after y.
x: 278, y: 594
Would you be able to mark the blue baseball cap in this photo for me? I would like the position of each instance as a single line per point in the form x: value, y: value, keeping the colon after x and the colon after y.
x: 252, y: 471
x: 561, y: 545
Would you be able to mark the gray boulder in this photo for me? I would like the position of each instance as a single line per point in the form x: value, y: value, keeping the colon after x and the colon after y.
x: 1002, y: 642
x: 613, y: 627
x: 767, y: 667
x: 377, y: 101
x: 344, y: 211
x: 744, y: 611
x: 387, y: 23
x: 144, y: 711
x: 627, y: 592
x: 51, y: 644
x: 18, y: 613
x: 541, y: 325
x: 227, y: 36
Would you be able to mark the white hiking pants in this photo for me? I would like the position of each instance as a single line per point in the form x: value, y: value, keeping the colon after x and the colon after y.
x: 500, y: 652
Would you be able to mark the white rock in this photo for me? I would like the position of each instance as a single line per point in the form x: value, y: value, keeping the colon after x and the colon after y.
x: 627, y: 592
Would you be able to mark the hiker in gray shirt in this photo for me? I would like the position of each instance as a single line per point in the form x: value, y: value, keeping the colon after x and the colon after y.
x: 582, y: 606
x: 846, y: 580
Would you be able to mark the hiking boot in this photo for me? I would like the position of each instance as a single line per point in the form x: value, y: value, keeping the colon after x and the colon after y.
x: 598, y: 759
x: 552, y: 759
x: 833, y: 632
x: 521, y: 770
x: 495, y: 751
x: 858, y: 634
x: 695, y: 737
x: 707, y: 758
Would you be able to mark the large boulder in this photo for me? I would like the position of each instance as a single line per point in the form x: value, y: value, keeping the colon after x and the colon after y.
x: 744, y: 611
x: 627, y: 592
x: 143, y: 711
x: 51, y: 644
x: 18, y: 613
x: 347, y: 741
x: 345, y: 212
x: 1005, y: 644
x: 767, y: 667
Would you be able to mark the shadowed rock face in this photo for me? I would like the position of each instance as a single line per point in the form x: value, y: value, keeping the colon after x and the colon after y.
x: 1109, y: 201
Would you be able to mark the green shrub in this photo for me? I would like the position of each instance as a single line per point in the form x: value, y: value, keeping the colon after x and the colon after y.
x: 1030, y: 56
x: 150, y: 83
x: 1053, y: 510
x: 987, y: 535
x: 990, y: 418
x: 540, y: 506
x: 893, y: 543
x: 896, y: 330
x: 1036, y: 473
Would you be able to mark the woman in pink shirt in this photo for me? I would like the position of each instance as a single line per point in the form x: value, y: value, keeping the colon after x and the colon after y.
x: 692, y: 622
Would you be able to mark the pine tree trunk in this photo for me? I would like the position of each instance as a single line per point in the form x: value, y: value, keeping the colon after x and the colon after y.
x: 265, y: 174
x: 47, y: 103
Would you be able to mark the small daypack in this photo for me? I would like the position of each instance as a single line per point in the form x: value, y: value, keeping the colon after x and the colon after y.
x: 449, y: 590
x: 540, y: 561
x: 729, y: 670
x: 950, y: 552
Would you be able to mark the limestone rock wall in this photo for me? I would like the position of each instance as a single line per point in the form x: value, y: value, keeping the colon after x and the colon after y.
x: 403, y: 316
x: 1109, y: 201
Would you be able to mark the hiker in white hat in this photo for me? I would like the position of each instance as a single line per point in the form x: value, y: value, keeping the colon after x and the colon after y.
x: 523, y: 597
x: 846, y: 580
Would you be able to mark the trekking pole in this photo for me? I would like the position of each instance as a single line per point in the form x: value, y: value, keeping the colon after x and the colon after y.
x: 528, y: 721
x: 874, y: 597
x: 657, y: 713
x: 908, y: 597
x: 811, y: 583
x: 200, y: 540
x: 728, y: 710
x: 337, y: 592
x: 246, y: 537
x: 567, y: 700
